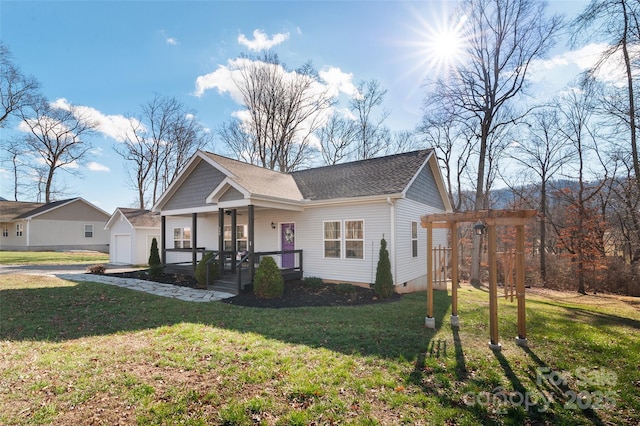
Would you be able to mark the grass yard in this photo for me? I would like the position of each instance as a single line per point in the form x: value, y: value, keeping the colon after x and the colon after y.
x: 96, y: 354
x: 51, y: 257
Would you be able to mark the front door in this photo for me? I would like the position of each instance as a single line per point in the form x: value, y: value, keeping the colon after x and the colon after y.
x: 288, y: 242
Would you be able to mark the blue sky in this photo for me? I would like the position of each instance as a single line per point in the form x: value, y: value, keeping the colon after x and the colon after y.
x: 113, y: 56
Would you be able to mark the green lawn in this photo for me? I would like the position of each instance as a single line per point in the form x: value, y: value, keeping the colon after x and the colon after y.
x: 51, y: 257
x: 89, y: 353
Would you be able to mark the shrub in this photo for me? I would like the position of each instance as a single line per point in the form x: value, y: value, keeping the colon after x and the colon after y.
x: 313, y: 282
x: 345, y: 288
x: 96, y: 269
x: 268, y: 282
x: 201, y: 269
x: 384, y: 281
x: 155, y: 265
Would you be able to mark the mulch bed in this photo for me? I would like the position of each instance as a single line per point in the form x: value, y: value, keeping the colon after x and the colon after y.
x: 296, y: 293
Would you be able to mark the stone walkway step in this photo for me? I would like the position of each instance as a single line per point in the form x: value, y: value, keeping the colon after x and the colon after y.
x: 165, y: 290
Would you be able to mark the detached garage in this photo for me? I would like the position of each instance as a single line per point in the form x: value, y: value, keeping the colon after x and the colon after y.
x: 132, y: 231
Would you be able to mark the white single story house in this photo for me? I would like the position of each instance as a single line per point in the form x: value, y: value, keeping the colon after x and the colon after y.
x: 73, y: 224
x: 324, y: 222
x: 132, y: 231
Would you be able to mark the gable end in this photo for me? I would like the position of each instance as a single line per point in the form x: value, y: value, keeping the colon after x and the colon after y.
x: 425, y: 190
x: 196, y: 188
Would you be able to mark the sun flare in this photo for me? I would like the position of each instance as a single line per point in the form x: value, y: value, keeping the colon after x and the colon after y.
x: 445, y: 45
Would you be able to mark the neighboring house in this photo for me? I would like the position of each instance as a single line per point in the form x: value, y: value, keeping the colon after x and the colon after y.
x: 329, y: 220
x: 73, y: 224
x: 132, y: 231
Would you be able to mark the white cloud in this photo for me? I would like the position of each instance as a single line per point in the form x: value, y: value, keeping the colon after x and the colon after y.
x: 172, y: 41
x: 221, y: 79
x: 261, y: 40
x: 338, y: 81
x: 97, y: 167
x: 113, y: 126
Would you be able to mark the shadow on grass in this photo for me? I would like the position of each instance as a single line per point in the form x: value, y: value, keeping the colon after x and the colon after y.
x: 389, y: 330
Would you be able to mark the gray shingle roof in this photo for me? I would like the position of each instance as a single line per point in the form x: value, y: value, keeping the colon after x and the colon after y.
x: 258, y: 180
x: 141, y: 218
x: 14, y: 210
x: 375, y: 176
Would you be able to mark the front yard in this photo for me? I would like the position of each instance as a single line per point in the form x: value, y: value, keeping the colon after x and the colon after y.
x: 90, y: 353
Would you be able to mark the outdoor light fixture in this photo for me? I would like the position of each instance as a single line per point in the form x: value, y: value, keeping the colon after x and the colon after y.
x: 273, y: 225
x: 479, y: 227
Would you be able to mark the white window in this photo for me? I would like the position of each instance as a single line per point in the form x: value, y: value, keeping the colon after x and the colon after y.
x: 414, y: 239
x: 19, y: 229
x: 5, y: 231
x: 241, y: 238
x: 181, y: 238
x: 354, y: 239
x: 332, y: 239
x: 88, y: 231
x: 348, y: 240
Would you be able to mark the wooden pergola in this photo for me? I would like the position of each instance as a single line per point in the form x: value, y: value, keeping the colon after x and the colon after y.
x: 486, y: 219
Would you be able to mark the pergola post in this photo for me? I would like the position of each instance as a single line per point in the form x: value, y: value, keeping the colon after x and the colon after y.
x: 493, y: 285
x: 430, y: 321
x: 521, y: 340
x: 455, y: 322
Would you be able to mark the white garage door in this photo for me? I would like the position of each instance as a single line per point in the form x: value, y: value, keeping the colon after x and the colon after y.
x: 123, y: 249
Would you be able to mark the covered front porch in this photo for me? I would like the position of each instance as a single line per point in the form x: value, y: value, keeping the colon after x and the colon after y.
x: 239, y: 237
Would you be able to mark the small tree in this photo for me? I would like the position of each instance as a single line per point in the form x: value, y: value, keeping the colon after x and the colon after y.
x: 268, y: 282
x: 155, y: 265
x: 384, y: 281
x: 201, y: 269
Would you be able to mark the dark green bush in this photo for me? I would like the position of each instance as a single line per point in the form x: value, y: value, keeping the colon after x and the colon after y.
x: 268, y: 282
x: 313, y: 282
x: 155, y: 265
x: 384, y: 280
x: 201, y: 270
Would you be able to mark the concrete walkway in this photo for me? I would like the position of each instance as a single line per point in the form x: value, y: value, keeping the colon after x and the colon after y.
x: 77, y: 273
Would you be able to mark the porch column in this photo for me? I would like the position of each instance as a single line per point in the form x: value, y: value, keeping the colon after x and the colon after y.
x: 234, y: 239
x: 194, y: 239
x: 250, y: 240
x: 221, y: 241
x: 163, y: 238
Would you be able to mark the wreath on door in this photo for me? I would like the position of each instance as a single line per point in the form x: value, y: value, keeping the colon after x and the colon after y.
x: 288, y: 235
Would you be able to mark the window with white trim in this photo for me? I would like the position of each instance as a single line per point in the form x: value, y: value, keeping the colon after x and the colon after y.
x: 414, y: 239
x: 241, y: 238
x: 88, y: 231
x: 332, y: 239
x: 5, y: 231
x: 181, y: 238
x: 19, y: 229
x: 354, y: 239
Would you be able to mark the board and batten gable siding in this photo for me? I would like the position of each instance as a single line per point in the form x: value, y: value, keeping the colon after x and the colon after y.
x: 310, y: 238
x: 412, y: 270
x: 198, y: 185
x: 425, y: 190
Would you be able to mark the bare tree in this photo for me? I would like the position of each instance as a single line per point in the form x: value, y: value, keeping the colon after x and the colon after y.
x: 57, y: 136
x: 542, y: 150
x: 453, y: 149
x: 139, y: 153
x: 503, y: 38
x: 283, y: 111
x: 16, y: 151
x: 16, y: 90
x: 372, y: 136
x: 337, y: 138
x: 159, y: 143
x: 619, y: 22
